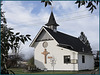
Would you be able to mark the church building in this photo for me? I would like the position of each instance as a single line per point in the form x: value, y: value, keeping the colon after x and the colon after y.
x: 54, y: 50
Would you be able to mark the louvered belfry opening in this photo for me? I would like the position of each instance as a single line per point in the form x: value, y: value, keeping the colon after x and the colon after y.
x: 52, y: 23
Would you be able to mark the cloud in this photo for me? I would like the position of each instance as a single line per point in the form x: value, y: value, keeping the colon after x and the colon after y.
x: 18, y: 14
x: 73, y: 20
x: 23, y: 17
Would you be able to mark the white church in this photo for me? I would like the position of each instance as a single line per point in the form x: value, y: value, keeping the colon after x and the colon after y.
x: 54, y: 50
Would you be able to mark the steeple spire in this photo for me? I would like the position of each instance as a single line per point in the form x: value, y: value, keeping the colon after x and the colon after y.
x: 52, y: 22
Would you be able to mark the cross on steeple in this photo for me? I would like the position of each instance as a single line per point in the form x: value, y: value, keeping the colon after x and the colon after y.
x: 51, y: 8
x: 45, y: 53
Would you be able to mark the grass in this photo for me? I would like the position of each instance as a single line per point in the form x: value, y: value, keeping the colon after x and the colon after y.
x: 22, y: 71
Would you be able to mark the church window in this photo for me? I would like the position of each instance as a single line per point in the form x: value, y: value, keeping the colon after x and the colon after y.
x: 83, y: 59
x: 67, y: 59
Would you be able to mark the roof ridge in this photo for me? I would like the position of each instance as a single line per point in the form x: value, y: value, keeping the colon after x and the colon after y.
x: 67, y: 34
x: 62, y: 33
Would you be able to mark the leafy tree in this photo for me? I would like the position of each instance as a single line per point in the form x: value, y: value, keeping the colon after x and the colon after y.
x: 18, y: 55
x: 15, y: 57
x: 97, y: 55
x: 31, y: 62
x: 31, y: 65
x: 9, y: 40
x: 91, y: 4
x: 83, y: 38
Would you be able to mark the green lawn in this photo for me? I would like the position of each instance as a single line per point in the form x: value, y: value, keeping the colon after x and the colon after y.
x: 22, y: 71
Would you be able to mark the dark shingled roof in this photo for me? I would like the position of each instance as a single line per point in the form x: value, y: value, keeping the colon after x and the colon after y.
x: 52, y: 21
x: 73, y: 42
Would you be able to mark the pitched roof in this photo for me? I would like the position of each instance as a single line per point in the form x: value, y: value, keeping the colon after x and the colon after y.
x: 52, y: 21
x: 68, y: 41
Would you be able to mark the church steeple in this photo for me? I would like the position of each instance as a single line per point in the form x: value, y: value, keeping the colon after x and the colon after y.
x: 52, y: 23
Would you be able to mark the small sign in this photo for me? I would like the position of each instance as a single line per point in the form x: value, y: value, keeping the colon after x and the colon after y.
x: 49, y: 57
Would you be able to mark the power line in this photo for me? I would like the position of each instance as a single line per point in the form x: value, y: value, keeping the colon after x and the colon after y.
x: 64, y: 14
x: 76, y: 17
x: 74, y: 12
x: 72, y: 18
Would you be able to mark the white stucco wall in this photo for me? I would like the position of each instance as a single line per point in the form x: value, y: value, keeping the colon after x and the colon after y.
x: 58, y: 53
x: 89, y: 62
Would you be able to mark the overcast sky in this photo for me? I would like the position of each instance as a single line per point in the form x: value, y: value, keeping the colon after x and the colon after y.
x: 27, y: 17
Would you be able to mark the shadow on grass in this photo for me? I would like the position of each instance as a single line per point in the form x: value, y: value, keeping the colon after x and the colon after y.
x: 23, y: 71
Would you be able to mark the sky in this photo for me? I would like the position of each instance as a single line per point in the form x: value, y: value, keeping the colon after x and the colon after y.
x: 27, y: 17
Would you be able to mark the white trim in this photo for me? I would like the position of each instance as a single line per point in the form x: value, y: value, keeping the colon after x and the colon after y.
x: 50, y: 34
x: 31, y: 45
x: 66, y: 45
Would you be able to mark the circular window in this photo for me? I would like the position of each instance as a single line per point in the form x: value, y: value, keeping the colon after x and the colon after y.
x: 45, y: 44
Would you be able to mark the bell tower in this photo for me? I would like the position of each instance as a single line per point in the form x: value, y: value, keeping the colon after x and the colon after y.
x: 52, y: 23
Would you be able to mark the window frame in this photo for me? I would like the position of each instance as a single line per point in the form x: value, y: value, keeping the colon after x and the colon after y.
x: 67, y: 61
x: 83, y: 58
